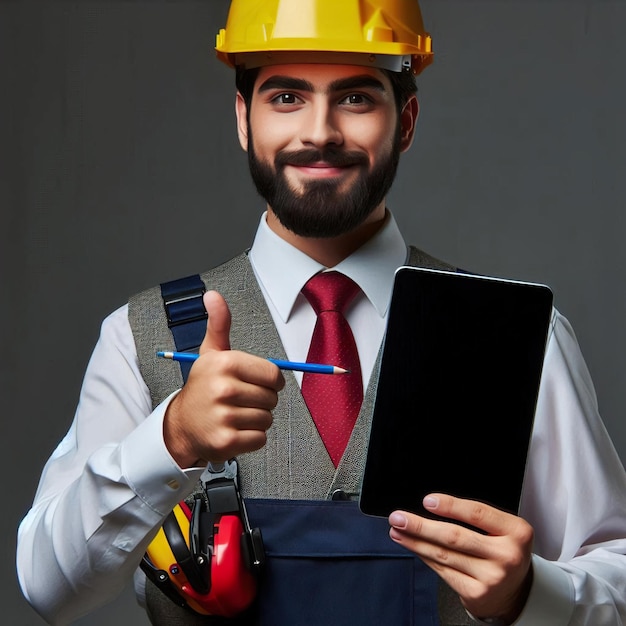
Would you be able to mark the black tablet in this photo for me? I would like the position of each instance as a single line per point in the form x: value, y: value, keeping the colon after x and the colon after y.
x: 457, y: 390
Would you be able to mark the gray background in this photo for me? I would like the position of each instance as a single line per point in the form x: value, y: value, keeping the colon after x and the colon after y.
x: 120, y: 168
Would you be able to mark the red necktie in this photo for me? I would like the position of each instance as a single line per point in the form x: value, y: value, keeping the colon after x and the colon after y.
x: 333, y: 400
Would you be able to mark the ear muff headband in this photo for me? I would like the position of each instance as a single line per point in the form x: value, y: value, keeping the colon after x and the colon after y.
x: 162, y: 567
x: 176, y: 530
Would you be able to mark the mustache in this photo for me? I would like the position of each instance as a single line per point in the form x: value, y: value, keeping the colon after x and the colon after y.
x: 331, y: 156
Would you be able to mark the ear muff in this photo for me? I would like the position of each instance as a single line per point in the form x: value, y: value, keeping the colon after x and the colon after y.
x: 233, y: 585
x: 205, y: 560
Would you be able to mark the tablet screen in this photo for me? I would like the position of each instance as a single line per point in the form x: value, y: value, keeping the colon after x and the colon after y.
x: 457, y: 390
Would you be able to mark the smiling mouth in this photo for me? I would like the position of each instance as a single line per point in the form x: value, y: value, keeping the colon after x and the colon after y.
x: 318, y: 161
x: 321, y: 169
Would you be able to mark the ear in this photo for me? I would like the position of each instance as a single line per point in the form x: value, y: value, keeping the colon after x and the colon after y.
x: 408, y: 121
x: 241, y: 110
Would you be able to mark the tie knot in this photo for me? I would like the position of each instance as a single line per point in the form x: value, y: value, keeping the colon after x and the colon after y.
x: 330, y: 291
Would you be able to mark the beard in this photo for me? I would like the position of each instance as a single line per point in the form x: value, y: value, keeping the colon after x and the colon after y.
x: 322, y: 209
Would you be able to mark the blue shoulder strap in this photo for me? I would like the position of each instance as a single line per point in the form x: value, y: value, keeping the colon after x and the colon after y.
x: 186, y: 315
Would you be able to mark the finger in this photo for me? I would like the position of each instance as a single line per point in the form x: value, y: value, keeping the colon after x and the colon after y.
x: 459, y: 578
x: 249, y: 419
x: 238, y: 368
x: 479, y: 515
x: 259, y: 371
x: 217, y: 335
x: 233, y: 391
x: 440, y: 557
x: 436, y: 539
x: 242, y: 441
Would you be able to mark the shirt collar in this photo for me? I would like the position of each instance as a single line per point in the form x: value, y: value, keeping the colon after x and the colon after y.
x: 372, y: 266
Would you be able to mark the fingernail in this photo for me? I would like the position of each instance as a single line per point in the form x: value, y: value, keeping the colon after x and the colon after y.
x: 398, y: 520
x: 430, y: 502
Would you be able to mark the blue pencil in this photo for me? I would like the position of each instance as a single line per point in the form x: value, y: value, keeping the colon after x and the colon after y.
x: 314, y: 368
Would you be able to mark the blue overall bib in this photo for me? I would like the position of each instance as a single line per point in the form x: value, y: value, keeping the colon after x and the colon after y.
x: 327, y: 563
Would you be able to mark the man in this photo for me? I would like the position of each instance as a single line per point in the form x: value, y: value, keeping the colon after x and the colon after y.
x: 324, y: 125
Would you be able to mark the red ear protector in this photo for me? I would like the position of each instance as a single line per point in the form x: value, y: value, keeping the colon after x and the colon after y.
x: 206, y: 557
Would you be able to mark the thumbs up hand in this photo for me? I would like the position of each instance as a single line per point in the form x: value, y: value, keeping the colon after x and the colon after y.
x: 225, y: 407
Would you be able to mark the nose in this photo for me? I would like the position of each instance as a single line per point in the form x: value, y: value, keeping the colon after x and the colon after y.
x: 320, y: 127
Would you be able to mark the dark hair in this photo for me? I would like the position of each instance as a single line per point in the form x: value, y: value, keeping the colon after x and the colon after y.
x: 404, y: 86
x: 403, y: 83
x: 244, y: 81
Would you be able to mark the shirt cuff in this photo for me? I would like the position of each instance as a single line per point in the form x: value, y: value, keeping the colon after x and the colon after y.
x: 551, y: 598
x: 150, y: 470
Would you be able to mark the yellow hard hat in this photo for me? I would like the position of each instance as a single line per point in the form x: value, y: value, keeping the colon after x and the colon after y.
x: 381, y: 33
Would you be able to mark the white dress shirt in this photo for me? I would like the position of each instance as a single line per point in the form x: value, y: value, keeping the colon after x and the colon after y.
x: 111, y: 481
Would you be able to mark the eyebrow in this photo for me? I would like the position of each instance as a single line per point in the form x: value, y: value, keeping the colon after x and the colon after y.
x: 362, y: 81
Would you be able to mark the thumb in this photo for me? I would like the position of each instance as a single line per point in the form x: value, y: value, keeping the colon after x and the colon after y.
x: 217, y: 335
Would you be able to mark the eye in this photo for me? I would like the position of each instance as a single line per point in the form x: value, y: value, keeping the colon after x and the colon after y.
x: 356, y: 99
x: 285, y: 98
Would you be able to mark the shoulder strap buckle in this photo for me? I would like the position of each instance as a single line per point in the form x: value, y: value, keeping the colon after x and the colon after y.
x: 182, y: 299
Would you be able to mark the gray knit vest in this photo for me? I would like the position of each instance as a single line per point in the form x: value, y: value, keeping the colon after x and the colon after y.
x: 294, y: 463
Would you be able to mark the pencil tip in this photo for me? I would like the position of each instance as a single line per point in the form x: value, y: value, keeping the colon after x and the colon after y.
x: 341, y: 370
